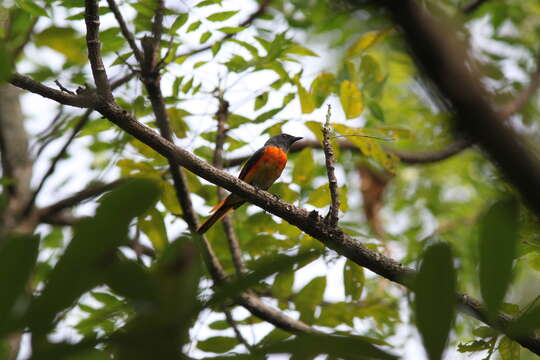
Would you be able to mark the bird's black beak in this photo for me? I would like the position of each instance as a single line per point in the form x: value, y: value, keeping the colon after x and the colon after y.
x: 296, y: 139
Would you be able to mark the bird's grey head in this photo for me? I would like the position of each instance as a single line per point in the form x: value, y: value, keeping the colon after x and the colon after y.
x: 283, y: 141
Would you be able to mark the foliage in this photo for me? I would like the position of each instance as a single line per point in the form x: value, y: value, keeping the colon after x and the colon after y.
x: 277, y: 71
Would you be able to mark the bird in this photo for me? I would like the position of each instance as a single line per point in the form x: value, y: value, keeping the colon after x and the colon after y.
x: 261, y: 170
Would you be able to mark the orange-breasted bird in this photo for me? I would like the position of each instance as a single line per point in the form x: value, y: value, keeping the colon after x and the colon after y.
x: 261, y: 170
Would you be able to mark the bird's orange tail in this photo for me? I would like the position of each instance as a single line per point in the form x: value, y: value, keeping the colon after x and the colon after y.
x: 216, y: 216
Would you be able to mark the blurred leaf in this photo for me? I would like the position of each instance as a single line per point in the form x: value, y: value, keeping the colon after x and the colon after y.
x: 306, y: 100
x: 527, y: 322
x: 231, y: 29
x: 322, y: 86
x: 91, y: 251
x: 303, y: 167
x: 499, y: 232
x: 204, y: 37
x: 435, y: 293
x: 18, y: 255
x: 65, y: 40
x: 311, y: 295
x: 282, y: 287
x: 343, y: 347
x: 31, y: 7
x: 509, y: 349
x: 351, y: 99
x: 222, y: 16
x: 353, y: 280
x: 154, y: 227
x: 180, y: 20
x: 218, y: 344
x: 366, y: 41
x: 261, y: 100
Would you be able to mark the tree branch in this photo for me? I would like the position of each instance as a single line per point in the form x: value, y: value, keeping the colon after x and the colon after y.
x: 125, y: 31
x: 94, y: 50
x: 76, y: 199
x: 445, y: 61
x: 333, y: 213
x: 52, y: 167
x: 425, y: 157
x: 26, y: 83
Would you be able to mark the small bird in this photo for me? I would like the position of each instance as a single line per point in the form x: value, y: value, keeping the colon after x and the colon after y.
x: 260, y: 170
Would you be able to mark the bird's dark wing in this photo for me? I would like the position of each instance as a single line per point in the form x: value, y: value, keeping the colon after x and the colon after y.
x: 250, y: 162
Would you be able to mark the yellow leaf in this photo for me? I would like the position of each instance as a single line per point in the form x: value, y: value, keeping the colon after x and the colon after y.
x: 351, y: 99
x: 306, y: 100
x: 369, y: 147
x: 366, y: 41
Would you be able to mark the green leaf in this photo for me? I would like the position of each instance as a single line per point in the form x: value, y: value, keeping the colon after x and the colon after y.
x: 322, y: 86
x: 231, y: 29
x: 64, y: 40
x: 219, y: 325
x: 435, y: 293
x: 194, y: 26
x: 509, y: 349
x: 303, y: 167
x: 18, y: 255
x: 300, y: 50
x: 311, y: 295
x: 84, y: 262
x: 180, y: 20
x: 353, y: 280
x: 31, y: 7
x: 351, y: 99
x: 154, y: 227
x: 260, y: 100
x: 222, y: 16
x: 6, y: 63
x: 282, y: 286
x: 305, y: 346
x: 499, y: 234
x: 218, y: 344
x: 320, y: 197
x: 204, y: 37
x: 306, y: 100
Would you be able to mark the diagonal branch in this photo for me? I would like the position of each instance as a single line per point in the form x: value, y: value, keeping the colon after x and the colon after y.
x: 26, y: 83
x: 99, y: 73
x: 309, y: 222
x: 125, y: 31
x: 76, y: 199
x: 52, y: 167
x: 333, y: 212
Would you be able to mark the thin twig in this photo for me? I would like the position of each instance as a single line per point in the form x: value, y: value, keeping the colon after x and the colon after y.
x: 333, y: 213
x: 234, y: 325
x: 62, y: 88
x: 260, y: 10
x: 523, y: 98
x: 77, y: 198
x: 125, y: 31
x: 52, y: 167
x: 222, y: 116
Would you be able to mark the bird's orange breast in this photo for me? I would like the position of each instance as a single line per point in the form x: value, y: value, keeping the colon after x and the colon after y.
x: 268, y: 168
